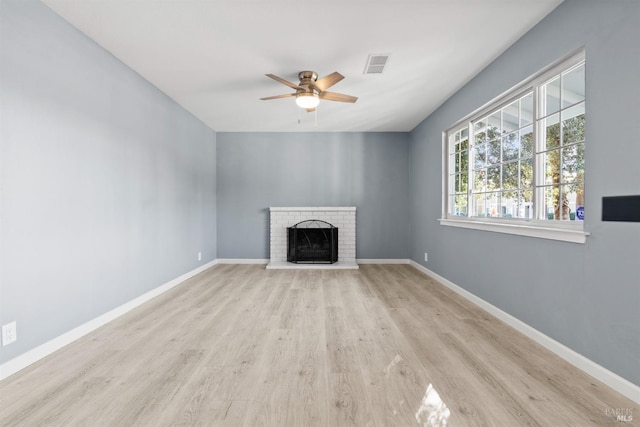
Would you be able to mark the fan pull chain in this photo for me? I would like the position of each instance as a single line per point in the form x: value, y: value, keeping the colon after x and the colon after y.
x: 316, y: 116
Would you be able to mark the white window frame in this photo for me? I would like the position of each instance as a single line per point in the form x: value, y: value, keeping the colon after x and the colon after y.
x: 568, y: 231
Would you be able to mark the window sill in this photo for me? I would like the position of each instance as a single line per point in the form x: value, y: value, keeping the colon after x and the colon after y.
x: 552, y: 233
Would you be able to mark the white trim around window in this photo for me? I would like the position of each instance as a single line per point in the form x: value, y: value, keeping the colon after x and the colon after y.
x: 516, y: 165
x: 521, y: 229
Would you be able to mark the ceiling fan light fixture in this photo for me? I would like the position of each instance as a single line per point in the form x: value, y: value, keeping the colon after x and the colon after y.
x: 307, y: 100
x: 311, y: 89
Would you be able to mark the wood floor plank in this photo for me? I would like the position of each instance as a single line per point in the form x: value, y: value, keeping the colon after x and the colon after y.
x: 351, y: 405
x: 238, y: 345
x: 306, y: 380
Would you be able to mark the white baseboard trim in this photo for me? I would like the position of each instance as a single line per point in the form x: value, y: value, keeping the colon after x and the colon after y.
x: 383, y: 261
x: 31, y: 356
x: 242, y: 261
x: 613, y: 380
x: 267, y: 261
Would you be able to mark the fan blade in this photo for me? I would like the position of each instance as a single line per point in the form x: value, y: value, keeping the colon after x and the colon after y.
x: 332, y: 96
x: 327, y: 81
x: 310, y: 110
x: 286, y: 95
x: 283, y: 81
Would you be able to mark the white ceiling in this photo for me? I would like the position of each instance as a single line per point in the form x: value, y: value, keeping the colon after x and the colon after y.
x: 211, y: 56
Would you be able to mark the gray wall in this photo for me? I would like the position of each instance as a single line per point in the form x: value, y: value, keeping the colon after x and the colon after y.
x: 366, y: 170
x: 107, y: 186
x: 584, y: 296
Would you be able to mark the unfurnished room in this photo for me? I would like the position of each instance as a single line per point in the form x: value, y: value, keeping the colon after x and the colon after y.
x: 338, y: 213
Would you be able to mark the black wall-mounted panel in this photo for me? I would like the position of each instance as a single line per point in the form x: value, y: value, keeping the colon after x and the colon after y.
x: 621, y: 208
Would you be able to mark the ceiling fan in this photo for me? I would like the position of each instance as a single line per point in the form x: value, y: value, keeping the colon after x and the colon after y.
x: 311, y: 90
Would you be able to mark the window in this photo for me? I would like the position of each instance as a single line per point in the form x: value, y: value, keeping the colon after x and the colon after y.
x: 517, y: 165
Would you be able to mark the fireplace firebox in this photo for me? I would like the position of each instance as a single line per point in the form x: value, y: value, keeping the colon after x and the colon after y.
x: 312, y: 242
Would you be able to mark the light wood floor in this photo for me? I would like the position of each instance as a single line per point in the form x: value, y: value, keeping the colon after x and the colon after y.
x: 240, y: 345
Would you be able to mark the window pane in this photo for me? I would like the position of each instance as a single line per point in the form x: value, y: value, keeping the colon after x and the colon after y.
x: 493, y: 126
x: 510, y: 119
x: 510, y: 204
x: 464, y: 179
x: 493, y: 178
x: 510, y: 147
x: 479, y: 128
x: 526, y: 174
x: 552, y: 167
x: 578, y: 189
x: 569, y: 193
x: 526, y: 142
x: 480, y: 157
x: 510, y: 176
x: 526, y: 110
x: 561, y: 201
x: 493, y: 204
x: 480, y: 181
x: 480, y: 204
x: 493, y: 152
x: 551, y: 96
x: 573, y: 124
x: 573, y: 163
x: 464, y: 162
x: 551, y: 200
x: 580, y: 162
x: 552, y: 131
x: 461, y: 205
x: 573, y: 86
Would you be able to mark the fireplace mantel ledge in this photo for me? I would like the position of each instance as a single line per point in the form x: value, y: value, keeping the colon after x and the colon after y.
x: 313, y: 208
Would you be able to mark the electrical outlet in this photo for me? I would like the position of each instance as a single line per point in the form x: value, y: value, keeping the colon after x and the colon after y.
x: 426, y: 256
x: 9, y: 333
x: 199, y: 256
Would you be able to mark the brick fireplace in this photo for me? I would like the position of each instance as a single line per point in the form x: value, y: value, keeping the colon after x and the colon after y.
x: 344, y: 218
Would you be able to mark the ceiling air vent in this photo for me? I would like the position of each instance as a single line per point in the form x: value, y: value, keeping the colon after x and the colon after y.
x: 375, y: 64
